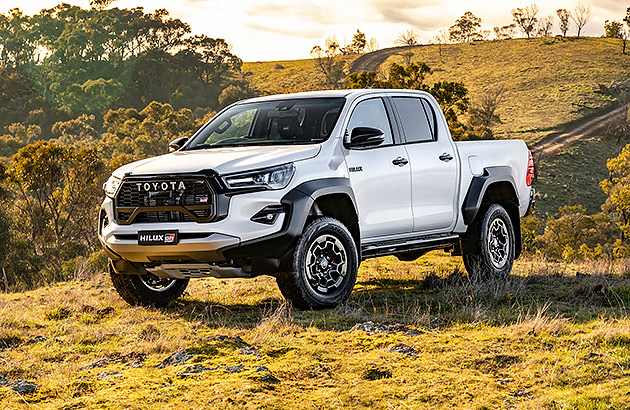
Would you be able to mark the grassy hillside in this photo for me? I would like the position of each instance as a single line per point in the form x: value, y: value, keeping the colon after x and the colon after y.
x: 548, y: 81
x: 277, y: 77
x: 572, y: 175
x: 414, y: 335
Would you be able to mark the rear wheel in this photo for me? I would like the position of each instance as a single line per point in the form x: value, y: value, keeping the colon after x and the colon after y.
x: 147, y: 289
x: 324, y: 269
x: 488, y: 246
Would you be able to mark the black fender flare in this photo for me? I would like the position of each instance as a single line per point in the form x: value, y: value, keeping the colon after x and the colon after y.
x: 297, y: 203
x: 477, y: 190
x: 478, y: 187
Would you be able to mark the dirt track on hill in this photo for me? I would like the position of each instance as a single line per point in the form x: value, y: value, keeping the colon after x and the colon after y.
x: 372, y: 61
x: 598, y: 124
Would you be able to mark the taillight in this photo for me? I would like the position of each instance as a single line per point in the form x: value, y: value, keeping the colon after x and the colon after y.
x: 530, y: 170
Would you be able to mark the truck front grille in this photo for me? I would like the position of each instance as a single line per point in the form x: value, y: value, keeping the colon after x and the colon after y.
x: 165, y: 199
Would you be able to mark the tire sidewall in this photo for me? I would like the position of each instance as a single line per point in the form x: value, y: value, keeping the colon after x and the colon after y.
x: 313, y: 231
x: 497, y: 211
x: 477, y: 258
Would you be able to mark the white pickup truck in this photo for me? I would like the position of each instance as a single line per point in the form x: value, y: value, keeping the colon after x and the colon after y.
x: 304, y: 187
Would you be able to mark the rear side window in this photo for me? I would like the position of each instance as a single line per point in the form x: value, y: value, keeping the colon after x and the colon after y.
x: 414, y: 119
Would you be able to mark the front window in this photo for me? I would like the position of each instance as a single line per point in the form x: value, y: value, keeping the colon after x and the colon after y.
x: 282, y: 122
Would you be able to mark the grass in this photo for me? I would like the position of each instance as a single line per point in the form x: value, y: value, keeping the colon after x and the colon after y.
x: 413, y: 335
x: 278, y: 77
x: 572, y: 175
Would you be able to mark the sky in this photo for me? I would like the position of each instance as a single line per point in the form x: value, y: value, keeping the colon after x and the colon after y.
x: 264, y: 30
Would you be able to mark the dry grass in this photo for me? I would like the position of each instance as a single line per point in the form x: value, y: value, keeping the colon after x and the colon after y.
x: 542, y: 338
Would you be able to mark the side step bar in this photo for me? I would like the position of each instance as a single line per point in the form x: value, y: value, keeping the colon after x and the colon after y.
x: 418, y: 243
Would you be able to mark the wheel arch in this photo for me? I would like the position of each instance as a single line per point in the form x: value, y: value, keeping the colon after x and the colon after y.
x: 316, y: 197
x: 495, y: 186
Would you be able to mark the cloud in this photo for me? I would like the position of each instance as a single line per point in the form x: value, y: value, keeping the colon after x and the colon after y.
x: 303, y: 11
x: 297, y: 31
x: 426, y: 15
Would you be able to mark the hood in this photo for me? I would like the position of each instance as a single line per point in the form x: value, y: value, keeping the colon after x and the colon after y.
x: 222, y: 160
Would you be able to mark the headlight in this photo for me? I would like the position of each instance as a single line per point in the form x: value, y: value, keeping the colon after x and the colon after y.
x: 111, y: 186
x: 268, y: 178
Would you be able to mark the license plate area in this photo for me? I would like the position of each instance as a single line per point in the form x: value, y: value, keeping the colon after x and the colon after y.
x: 158, y: 237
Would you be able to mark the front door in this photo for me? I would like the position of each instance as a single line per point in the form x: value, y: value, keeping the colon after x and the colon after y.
x: 380, y: 176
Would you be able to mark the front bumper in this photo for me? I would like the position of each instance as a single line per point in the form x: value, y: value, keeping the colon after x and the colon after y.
x: 199, y: 242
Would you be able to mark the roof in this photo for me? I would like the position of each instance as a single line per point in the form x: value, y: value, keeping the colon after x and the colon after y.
x: 315, y: 94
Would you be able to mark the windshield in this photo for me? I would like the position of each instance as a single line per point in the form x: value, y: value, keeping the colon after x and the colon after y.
x: 282, y: 122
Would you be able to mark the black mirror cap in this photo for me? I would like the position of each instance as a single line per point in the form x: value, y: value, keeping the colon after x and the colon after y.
x: 365, y: 137
x: 177, y: 143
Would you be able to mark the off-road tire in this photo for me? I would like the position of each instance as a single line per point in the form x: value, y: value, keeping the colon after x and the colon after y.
x: 135, y: 291
x: 329, y: 247
x: 488, y: 246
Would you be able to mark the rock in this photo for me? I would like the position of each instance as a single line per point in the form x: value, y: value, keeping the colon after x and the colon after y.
x: 36, y: 339
x: 403, y: 349
x: 234, y: 369
x: 229, y: 339
x: 249, y: 350
x: 133, y: 360
x: 267, y: 376
x: 176, y: 359
x: 196, y: 369
x: 412, y: 332
x: 106, y: 375
x: 24, y: 387
x: 377, y: 328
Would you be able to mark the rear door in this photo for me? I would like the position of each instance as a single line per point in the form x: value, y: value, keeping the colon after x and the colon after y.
x: 380, y: 176
x: 433, y: 165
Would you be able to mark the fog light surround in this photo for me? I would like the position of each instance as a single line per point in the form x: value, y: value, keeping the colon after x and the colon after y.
x: 268, y: 215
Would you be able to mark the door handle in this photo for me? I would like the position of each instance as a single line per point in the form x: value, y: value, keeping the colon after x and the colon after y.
x: 446, y: 157
x: 400, y: 161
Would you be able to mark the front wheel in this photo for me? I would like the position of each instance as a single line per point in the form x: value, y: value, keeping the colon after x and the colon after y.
x: 324, y: 269
x: 147, y: 289
x: 488, y: 246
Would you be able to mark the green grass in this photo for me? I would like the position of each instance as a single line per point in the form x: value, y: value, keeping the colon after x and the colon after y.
x: 544, y: 338
x: 572, y: 175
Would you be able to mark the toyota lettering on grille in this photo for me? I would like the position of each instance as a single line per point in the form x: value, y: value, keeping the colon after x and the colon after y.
x: 161, y: 186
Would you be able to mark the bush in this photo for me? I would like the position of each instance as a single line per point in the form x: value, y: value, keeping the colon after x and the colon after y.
x: 572, y: 234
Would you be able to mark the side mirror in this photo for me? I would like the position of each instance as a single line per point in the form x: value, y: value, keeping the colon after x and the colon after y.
x: 365, y: 137
x: 177, y: 143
